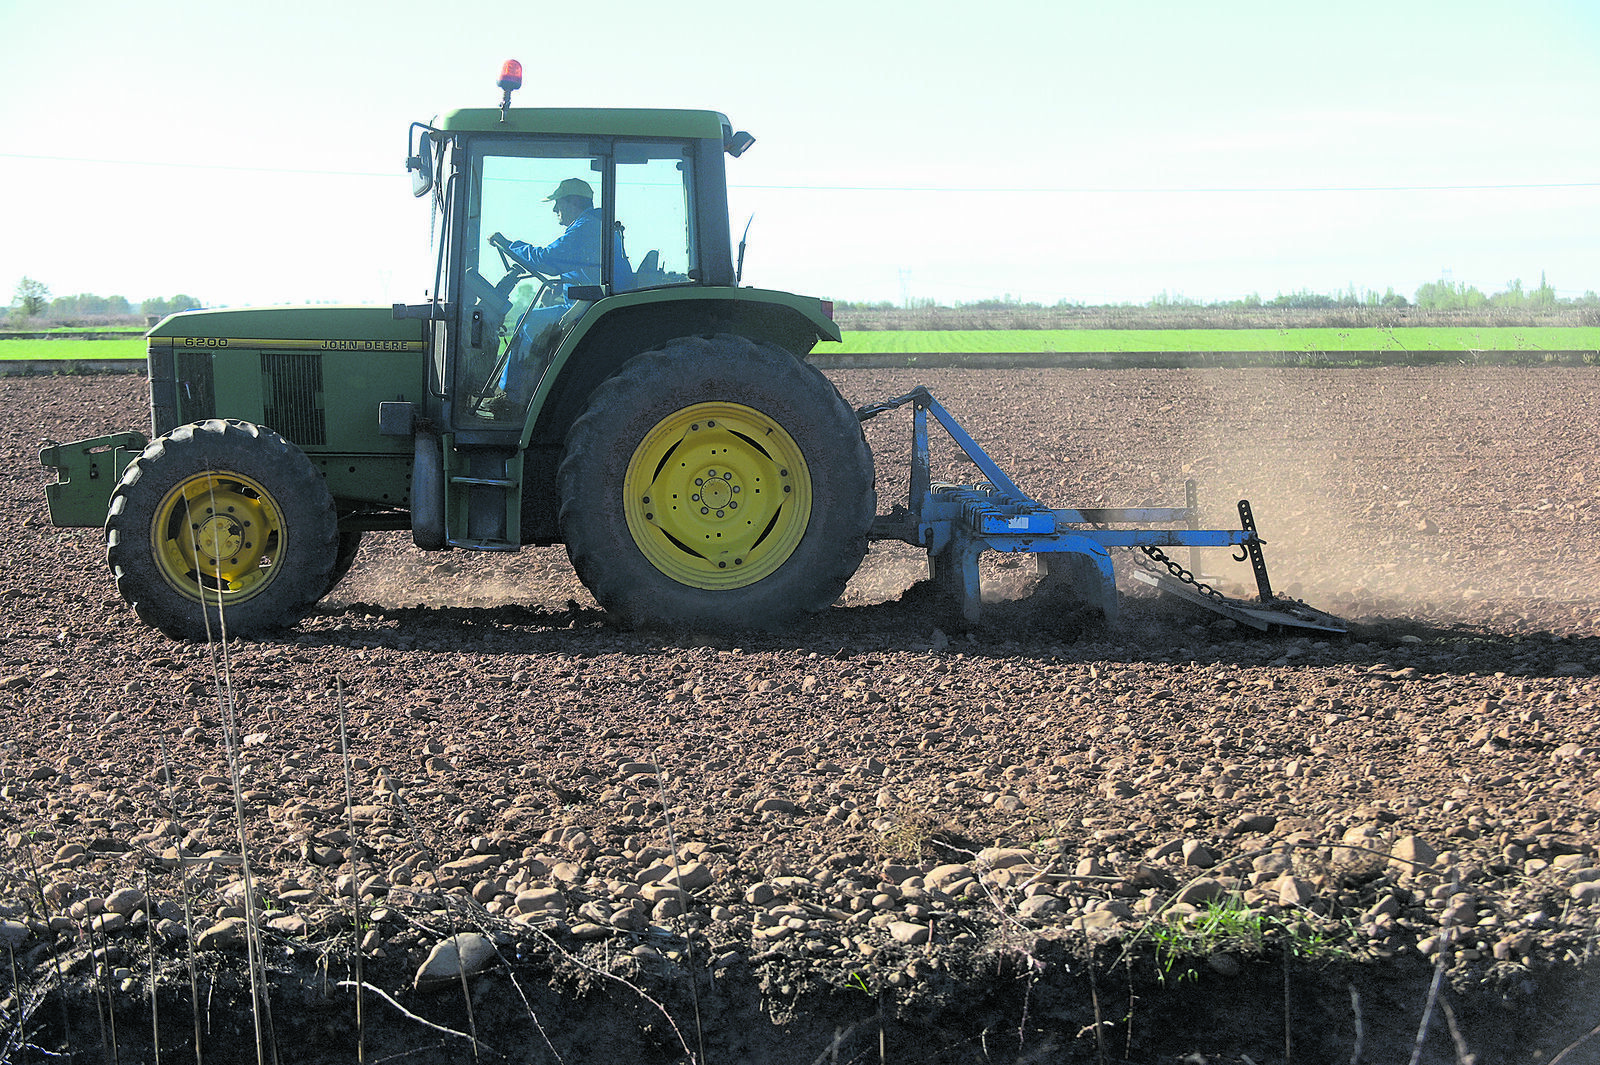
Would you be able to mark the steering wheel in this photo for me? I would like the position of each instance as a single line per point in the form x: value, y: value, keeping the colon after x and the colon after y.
x: 517, y: 269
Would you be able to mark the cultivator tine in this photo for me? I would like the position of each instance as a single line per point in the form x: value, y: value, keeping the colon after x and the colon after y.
x: 1252, y: 550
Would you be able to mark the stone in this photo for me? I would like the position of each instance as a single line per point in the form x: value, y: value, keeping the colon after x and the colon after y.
x: 1253, y: 822
x: 109, y: 923
x: 541, y: 900
x: 1585, y: 892
x: 654, y: 893
x: 466, y: 953
x: 1005, y: 857
x: 1294, y: 890
x: 125, y: 901
x: 1039, y: 906
x: 691, y: 876
x: 1200, y: 892
x: 909, y: 932
x: 222, y: 935
x: 940, y: 876
x: 1096, y: 921
x: 1411, y: 855
x: 288, y: 924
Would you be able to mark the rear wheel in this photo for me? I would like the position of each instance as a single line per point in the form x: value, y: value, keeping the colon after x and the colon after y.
x: 221, y: 522
x: 718, y: 482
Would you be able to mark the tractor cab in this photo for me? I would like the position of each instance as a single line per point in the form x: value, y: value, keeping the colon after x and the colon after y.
x: 548, y: 215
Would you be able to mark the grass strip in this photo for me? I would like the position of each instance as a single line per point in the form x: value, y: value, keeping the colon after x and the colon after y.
x: 1422, y: 339
x: 132, y: 348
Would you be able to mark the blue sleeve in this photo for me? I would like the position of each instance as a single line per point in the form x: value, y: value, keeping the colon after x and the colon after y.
x: 575, y: 255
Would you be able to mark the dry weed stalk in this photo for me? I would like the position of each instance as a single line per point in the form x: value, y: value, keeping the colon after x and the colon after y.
x: 100, y: 985
x: 635, y: 988
x: 475, y: 917
x: 466, y: 992
x: 1434, y: 987
x: 672, y: 842
x: 227, y: 706
x: 183, y: 893
x: 355, y: 878
x: 28, y: 1000
x: 381, y: 993
x: 1572, y: 1048
x: 150, y: 947
x: 55, y: 957
x: 1361, y: 1031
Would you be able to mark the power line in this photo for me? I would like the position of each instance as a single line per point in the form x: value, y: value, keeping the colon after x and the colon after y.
x: 1170, y: 189
x: 934, y: 189
x: 163, y: 164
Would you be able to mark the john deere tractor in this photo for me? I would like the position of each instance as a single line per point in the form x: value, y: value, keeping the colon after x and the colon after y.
x: 619, y: 393
x: 598, y: 379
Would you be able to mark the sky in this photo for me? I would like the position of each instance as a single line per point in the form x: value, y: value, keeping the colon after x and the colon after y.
x: 1061, y: 150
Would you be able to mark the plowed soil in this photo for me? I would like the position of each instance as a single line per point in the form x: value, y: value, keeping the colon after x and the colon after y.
x: 879, y: 836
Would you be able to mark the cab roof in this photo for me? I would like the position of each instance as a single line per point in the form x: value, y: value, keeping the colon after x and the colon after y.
x: 589, y: 121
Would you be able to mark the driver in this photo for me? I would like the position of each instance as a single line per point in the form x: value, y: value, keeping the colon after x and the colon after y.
x: 573, y: 258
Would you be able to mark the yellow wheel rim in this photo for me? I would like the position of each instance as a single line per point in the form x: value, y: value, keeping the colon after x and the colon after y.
x: 717, y: 496
x: 218, y: 535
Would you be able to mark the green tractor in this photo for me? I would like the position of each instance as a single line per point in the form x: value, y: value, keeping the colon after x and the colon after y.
x: 613, y: 389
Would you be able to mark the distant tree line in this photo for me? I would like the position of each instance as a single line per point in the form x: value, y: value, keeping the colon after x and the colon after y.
x: 1441, y: 295
x: 32, y: 300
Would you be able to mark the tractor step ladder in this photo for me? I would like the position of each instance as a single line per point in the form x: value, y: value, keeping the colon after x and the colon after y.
x: 482, y: 513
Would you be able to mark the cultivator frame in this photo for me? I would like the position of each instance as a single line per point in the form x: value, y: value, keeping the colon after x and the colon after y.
x: 956, y: 523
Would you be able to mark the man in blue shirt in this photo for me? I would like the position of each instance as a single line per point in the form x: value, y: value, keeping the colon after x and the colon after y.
x: 573, y: 258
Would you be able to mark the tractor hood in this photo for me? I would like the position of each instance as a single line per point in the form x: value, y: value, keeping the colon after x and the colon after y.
x: 330, y: 328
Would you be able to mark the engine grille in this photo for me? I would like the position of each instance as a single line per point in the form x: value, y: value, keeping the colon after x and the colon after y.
x: 197, y: 395
x: 291, y: 400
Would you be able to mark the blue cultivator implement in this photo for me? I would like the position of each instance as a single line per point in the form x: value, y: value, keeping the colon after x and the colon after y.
x: 956, y: 523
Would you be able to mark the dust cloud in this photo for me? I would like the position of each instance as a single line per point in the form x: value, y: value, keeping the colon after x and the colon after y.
x: 1450, y: 494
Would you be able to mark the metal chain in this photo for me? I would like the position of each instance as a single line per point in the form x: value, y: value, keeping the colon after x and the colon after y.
x: 1183, y: 575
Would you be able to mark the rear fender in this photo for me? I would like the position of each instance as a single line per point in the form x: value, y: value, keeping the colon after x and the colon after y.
x: 620, y: 327
x: 86, y: 472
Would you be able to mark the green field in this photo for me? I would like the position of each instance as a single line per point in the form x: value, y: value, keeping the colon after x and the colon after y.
x: 68, y: 348
x: 1422, y: 339
x: 1031, y: 341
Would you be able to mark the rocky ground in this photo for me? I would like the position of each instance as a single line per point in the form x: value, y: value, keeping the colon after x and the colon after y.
x: 872, y: 838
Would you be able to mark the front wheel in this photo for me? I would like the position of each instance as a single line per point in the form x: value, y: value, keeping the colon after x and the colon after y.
x: 221, y: 526
x: 717, y: 481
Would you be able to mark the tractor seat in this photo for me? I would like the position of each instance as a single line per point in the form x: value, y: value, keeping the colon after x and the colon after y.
x: 649, y: 271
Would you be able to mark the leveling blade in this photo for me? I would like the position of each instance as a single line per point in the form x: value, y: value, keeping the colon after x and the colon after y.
x: 1267, y: 615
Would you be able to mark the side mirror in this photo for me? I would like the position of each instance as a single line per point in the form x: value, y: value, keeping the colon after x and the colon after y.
x: 420, y: 163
